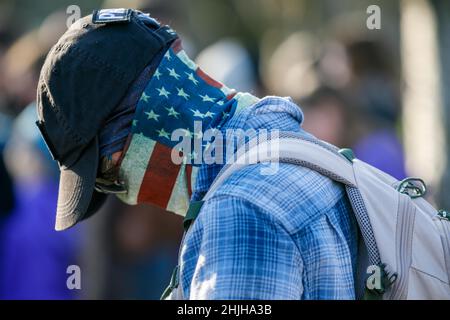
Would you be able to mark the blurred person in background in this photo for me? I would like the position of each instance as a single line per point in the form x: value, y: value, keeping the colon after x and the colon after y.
x: 236, y: 67
x: 22, y: 60
x: 374, y: 93
x: 7, y: 202
x: 35, y: 257
x: 6, y: 187
x: 143, y: 249
x: 328, y: 117
x: 7, y: 199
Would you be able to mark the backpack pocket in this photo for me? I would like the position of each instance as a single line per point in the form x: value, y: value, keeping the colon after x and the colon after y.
x: 428, y: 273
x: 425, y: 286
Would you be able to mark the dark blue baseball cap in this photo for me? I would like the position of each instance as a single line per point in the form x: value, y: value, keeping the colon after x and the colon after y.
x: 85, y: 76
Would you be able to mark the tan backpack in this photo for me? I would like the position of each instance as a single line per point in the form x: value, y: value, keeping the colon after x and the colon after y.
x: 405, y: 252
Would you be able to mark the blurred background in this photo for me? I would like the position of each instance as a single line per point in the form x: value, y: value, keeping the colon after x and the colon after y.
x: 383, y: 92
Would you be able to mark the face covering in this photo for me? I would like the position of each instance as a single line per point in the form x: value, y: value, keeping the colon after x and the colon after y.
x: 178, y: 95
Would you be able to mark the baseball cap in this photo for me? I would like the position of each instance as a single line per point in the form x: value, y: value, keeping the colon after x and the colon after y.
x: 84, y: 77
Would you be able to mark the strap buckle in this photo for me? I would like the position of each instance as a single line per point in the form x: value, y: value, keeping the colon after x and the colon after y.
x: 444, y: 215
x: 413, y: 187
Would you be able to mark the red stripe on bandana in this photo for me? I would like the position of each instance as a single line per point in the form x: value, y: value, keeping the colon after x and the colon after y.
x: 159, y: 178
x: 208, y: 79
x: 177, y: 46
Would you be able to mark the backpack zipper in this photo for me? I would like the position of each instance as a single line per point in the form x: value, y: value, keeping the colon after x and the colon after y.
x: 403, y: 244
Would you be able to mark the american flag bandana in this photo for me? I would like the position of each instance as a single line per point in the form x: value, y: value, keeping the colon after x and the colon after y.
x: 178, y: 94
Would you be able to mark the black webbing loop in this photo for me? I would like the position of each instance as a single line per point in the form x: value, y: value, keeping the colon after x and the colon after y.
x: 192, y: 213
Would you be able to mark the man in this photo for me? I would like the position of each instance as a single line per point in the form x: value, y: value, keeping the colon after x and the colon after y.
x: 112, y: 91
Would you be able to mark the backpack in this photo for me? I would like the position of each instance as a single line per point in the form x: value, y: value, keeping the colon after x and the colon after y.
x: 404, y: 251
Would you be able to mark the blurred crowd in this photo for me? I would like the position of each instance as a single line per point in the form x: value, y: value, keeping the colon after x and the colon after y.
x: 345, y: 79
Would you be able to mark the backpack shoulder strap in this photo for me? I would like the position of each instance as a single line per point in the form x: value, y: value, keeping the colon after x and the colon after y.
x: 295, y: 149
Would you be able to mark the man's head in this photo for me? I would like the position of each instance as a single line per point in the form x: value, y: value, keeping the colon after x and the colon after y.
x: 86, y: 76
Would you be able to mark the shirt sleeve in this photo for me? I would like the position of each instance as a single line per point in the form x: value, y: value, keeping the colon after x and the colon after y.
x: 240, y: 251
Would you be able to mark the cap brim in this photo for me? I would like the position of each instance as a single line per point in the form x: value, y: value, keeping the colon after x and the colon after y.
x: 77, y: 198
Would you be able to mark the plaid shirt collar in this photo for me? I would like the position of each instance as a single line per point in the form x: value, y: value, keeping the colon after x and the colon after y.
x: 288, y: 115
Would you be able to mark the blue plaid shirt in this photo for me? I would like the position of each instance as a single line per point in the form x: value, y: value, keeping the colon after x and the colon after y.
x: 290, y: 235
